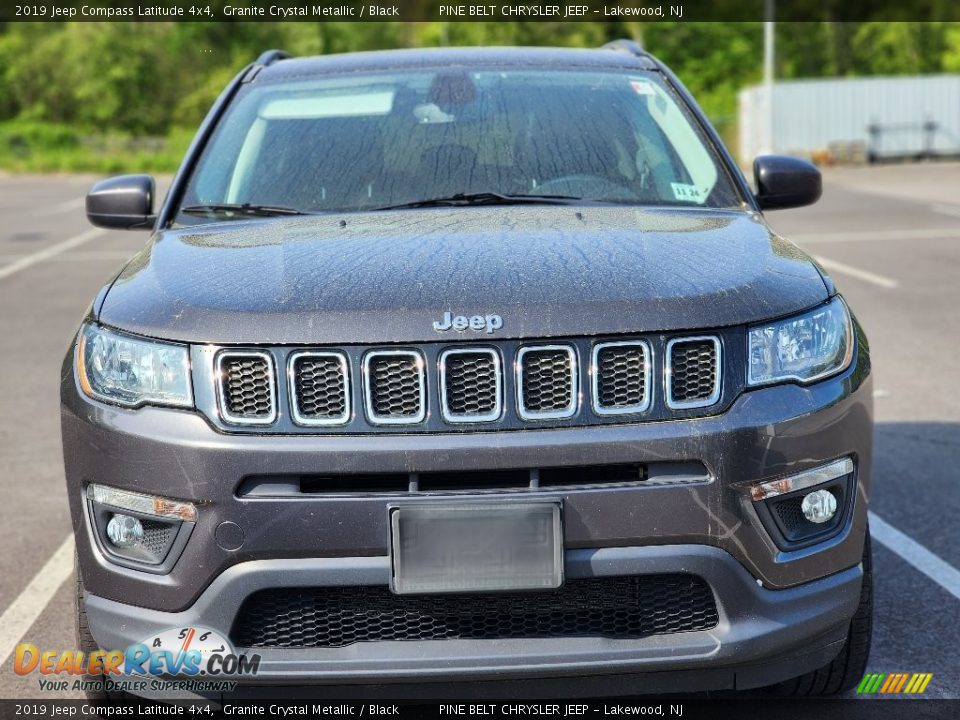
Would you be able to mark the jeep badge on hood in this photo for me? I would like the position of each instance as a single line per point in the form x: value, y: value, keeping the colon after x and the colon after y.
x: 474, y: 322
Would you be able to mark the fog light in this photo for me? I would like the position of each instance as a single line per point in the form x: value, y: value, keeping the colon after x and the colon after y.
x: 124, y: 530
x: 819, y: 506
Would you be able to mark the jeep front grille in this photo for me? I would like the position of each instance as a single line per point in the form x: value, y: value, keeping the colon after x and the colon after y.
x: 470, y: 385
x: 320, y: 388
x: 394, y: 387
x: 547, y: 378
x: 621, y: 376
x: 693, y: 372
x: 246, y: 387
x: 463, y: 386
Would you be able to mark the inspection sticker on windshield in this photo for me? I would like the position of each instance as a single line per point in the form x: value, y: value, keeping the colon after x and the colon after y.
x: 682, y: 191
x: 642, y: 87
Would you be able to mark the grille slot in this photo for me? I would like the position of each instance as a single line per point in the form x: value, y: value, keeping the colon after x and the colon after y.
x: 369, y: 483
x: 473, y: 481
x: 470, y: 385
x: 621, y: 378
x: 320, y: 388
x: 610, y: 607
x: 592, y: 475
x: 394, y: 387
x: 246, y: 388
x: 693, y: 372
x: 547, y: 382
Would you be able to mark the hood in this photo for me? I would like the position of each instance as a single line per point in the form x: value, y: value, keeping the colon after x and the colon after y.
x: 388, y: 276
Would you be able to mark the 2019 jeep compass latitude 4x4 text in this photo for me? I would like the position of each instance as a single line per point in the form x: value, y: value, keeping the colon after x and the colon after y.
x: 462, y: 367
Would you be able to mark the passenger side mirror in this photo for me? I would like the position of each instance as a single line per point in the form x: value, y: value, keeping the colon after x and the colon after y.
x: 786, y: 182
x: 124, y: 202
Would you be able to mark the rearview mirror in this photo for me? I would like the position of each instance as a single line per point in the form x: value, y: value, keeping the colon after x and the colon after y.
x: 124, y: 202
x: 786, y: 182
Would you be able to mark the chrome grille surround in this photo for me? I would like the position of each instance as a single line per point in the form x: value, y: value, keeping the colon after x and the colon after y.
x: 618, y: 387
x: 296, y: 394
x: 596, y: 377
x: 371, y: 387
x: 716, y: 370
x: 445, y: 376
x: 223, y: 401
x: 572, y: 385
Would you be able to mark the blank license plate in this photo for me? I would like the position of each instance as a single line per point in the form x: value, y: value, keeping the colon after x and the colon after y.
x: 476, y: 547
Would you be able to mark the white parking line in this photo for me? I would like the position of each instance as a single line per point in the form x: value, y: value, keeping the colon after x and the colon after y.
x: 875, y: 235
x: 865, y: 275
x: 49, y: 252
x: 81, y: 256
x: 24, y: 611
x: 946, y: 209
x: 933, y: 566
x: 63, y: 207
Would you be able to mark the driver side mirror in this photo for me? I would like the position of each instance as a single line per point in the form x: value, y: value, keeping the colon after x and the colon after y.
x: 124, y: 202
x: 786, y: 182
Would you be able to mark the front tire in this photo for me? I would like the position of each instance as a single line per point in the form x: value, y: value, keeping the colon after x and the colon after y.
x: 846, y: 670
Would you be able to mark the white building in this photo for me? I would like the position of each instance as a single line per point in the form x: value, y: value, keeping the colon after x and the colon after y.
x: 882, y: 117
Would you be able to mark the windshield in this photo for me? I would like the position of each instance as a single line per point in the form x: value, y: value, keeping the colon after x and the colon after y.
x: 372, y: 141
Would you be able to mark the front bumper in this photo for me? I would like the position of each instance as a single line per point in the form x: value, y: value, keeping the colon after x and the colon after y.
x: 763, y: 635
x: 781, y: 613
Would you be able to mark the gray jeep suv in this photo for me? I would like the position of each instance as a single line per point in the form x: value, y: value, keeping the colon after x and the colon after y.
x: 472, y: 371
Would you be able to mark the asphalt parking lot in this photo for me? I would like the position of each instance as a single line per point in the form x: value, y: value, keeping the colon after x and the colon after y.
x: 890, y: 236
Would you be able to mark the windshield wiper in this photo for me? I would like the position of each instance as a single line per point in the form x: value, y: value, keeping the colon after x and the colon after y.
x: 245, y: 209
x: 484, y: 198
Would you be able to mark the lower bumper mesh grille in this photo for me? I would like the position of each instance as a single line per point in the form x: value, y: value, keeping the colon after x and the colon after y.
x: 612, y: 607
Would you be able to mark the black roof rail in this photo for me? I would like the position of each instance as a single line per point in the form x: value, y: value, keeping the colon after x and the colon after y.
x: 271, y: 56
x: 627, y: 46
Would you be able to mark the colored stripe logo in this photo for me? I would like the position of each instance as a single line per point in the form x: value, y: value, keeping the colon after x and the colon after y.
x: 894, y: 683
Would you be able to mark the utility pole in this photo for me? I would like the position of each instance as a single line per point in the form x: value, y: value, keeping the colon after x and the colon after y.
x: 769, y: 51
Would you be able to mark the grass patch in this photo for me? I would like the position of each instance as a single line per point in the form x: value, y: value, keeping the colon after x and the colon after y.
x: 46, y: 148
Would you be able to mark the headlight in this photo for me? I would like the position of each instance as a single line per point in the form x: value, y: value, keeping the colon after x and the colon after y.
x: 132, y: 371
x: 804, y: 348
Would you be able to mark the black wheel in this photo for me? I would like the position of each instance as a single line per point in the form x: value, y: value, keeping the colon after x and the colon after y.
x: 85, y: 640
x: 847, y: 669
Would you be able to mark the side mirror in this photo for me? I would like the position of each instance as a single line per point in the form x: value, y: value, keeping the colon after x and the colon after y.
x: 786, y: 182
x: 124, y: 202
